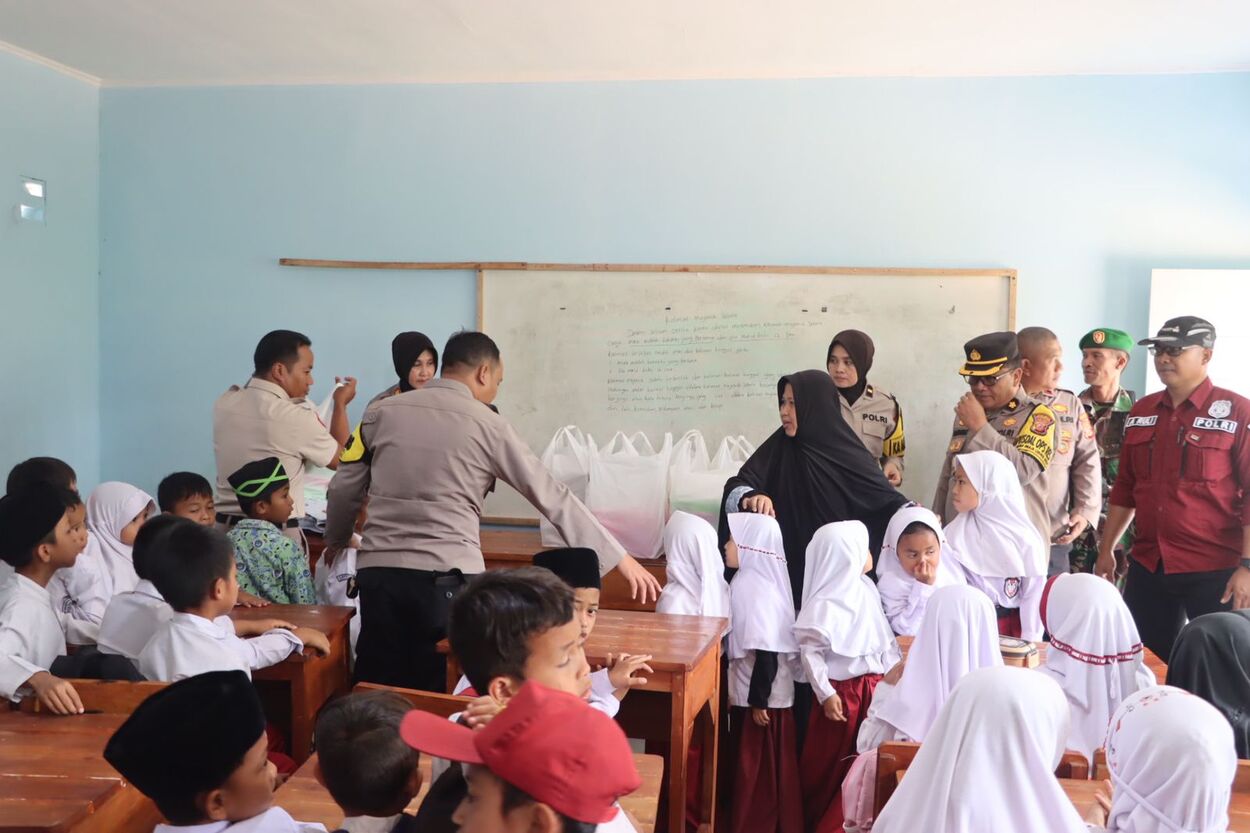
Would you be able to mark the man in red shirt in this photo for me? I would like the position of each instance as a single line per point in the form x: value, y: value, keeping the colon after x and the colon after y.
x: 1184, y: 474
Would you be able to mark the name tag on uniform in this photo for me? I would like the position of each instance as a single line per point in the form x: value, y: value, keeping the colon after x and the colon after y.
x: 875, y: 418
x: 1208, y: 424
x: 1141, y: 422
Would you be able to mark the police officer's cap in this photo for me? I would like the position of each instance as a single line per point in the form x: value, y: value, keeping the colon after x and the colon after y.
x: 990, y: 354
x: 1185, y: 331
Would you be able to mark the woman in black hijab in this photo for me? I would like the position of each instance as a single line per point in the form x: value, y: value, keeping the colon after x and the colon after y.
x: 874, y: 415
x: 416, y: 362
x: 812, y: 471
x: 1211, y: 659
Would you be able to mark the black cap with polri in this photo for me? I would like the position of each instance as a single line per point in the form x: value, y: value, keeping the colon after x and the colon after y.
x: 1185, y: 331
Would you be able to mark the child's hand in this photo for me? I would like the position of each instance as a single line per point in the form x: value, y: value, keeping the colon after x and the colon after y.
x: 255, y: 627
x: 480, y: 712
x: 833, y: 708
x: 622, y: 668
x: 894, y: 674
x: 760, y: 716
x: 926, y: 572
x: 248, y: 600
x: 57, y: 695
x: 1097, y: 815
x: 314, y: 639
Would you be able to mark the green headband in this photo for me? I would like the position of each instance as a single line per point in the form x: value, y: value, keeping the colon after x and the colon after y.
x: 252, y: 488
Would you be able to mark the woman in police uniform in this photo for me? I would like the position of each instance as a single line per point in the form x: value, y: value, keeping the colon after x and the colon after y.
x: 874, y: 415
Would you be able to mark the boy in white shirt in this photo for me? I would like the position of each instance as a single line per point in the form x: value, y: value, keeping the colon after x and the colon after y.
x: 133, y: 617
x: 198, y: 580
x: 38, y: 536
x: 197, y: 749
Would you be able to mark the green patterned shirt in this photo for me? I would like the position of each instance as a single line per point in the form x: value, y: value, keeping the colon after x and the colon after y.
x: 270, y: 564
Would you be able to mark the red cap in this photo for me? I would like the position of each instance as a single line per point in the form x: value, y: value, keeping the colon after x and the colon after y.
x: 546, y: 743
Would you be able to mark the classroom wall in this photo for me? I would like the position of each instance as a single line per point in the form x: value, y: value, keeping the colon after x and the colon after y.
x: 49, y: 324
x: 1083, y: 184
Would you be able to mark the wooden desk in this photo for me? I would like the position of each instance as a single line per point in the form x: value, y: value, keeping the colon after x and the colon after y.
x: 53, y: 777
x: 685, y: 657
x: 1149, y: 657
x: 515, y: 547
x: 310, y: 680
x: 308, y: 801
x: 1082, y: 793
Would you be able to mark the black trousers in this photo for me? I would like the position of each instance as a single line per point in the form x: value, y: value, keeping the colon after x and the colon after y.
x: 1161, y: 604
x: 403, y: 615
x: 90, y: 663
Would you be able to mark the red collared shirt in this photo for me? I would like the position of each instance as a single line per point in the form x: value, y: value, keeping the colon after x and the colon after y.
x: 1186, y: 470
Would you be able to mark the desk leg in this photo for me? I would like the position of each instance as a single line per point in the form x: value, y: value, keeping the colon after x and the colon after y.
x: 711, y: 751
x: 303, y: 713
x: 681, y: 724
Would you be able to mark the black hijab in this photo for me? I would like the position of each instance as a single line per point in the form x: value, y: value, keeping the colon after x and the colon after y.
x: 860, y: 348
x: 821, y: 475
x: 1211, y: 659
x: 406, y: 348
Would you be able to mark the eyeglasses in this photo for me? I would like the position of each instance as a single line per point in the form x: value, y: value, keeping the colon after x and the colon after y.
x: 986, y: 381
x: 1170, y: 352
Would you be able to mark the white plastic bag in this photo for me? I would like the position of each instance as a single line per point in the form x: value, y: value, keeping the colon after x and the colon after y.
x: 628, y: 491
x: 567, y: 457
x: 698, y: 489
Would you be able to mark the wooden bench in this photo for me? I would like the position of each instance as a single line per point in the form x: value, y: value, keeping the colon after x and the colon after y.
x: 103, y: 696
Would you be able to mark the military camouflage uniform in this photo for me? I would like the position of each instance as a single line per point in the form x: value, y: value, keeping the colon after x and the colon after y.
x: 1108, y: 423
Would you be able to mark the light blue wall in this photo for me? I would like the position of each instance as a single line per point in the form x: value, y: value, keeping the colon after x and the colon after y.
x: 49, y: 324
x: 1083, y: 184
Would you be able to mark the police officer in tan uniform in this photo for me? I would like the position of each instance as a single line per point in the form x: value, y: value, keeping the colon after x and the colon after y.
x: 997, y: 415
x: 874, y: 415
x: 1074, y: 476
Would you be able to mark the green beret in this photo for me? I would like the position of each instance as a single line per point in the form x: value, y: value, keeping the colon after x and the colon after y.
x: 1108, y: 338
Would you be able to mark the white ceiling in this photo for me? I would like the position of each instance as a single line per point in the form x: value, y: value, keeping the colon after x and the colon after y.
x: 222, y: 42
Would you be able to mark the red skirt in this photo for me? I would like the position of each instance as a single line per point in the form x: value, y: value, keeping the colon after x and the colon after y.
x: 766, y: 797
x: 829, y: 750
x: 1009, y: 622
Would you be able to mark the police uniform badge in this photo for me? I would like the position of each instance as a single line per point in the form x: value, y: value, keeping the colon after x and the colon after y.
x: 1011, y: 587
x: 1220, y: 408
x: 1037, y: 437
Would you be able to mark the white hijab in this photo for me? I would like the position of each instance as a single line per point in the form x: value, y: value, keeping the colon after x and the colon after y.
x: 1095, y: 653
x: 988, y: 763
x: 110, y: 508
x: 893, y: 582
x: 761, y: 601
x: 997, y: 538
x: 1172, y: 760
x: 696, y: 583
x: 958, y: 635
x: 841, y: 606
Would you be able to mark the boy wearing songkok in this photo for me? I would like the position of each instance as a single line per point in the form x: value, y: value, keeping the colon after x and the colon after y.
x: 546, y: 764
x: 198, y: 750
x: 270, y: 564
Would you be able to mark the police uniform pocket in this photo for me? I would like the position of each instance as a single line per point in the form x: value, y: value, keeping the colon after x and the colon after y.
x: 1139, y: 451
x: 1207, y: 455
x: 872, y: 425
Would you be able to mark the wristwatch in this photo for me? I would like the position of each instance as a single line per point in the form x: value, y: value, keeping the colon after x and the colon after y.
x: 1245, y: 562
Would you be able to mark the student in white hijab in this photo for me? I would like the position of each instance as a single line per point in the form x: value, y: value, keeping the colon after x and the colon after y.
x: 696, y: 583
x: 1095, y: 653
x: 763, y: 658
x: 998, y: 547
x: 915, y: 561
x: 988, y: 763
x: 115, y: 512
x: 1172, y: 761
x: 958, y: 636
x: 846, y: 645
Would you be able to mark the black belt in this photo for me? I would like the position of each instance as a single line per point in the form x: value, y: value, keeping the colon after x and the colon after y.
x: 231, y: 520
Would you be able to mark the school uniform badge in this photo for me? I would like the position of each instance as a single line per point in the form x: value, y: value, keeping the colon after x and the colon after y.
x: 1011, y: 587
x: 1220, y: 408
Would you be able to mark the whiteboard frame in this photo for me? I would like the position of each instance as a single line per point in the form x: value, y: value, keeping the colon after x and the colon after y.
x: 1010, y: 275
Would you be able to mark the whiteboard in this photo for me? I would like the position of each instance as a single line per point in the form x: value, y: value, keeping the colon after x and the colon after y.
x: 1221, y: 296
x: 666, y: 351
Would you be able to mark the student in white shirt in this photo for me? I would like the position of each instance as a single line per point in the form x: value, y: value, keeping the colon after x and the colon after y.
x: 999, y: 548
x: 916, y: 560
x: 115, y: 513
x: 1095, y: 653
x: 846, y: 647
x: 37, y: 537
x: 696, y: 583
x: 958, y: 635
x: 1172, y: 760
x: 763, y: 664
x: 198, y: 581
x: 988, y: 763
x: 198, y: 749
x: 364, y: 763
x: 132, y: 618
